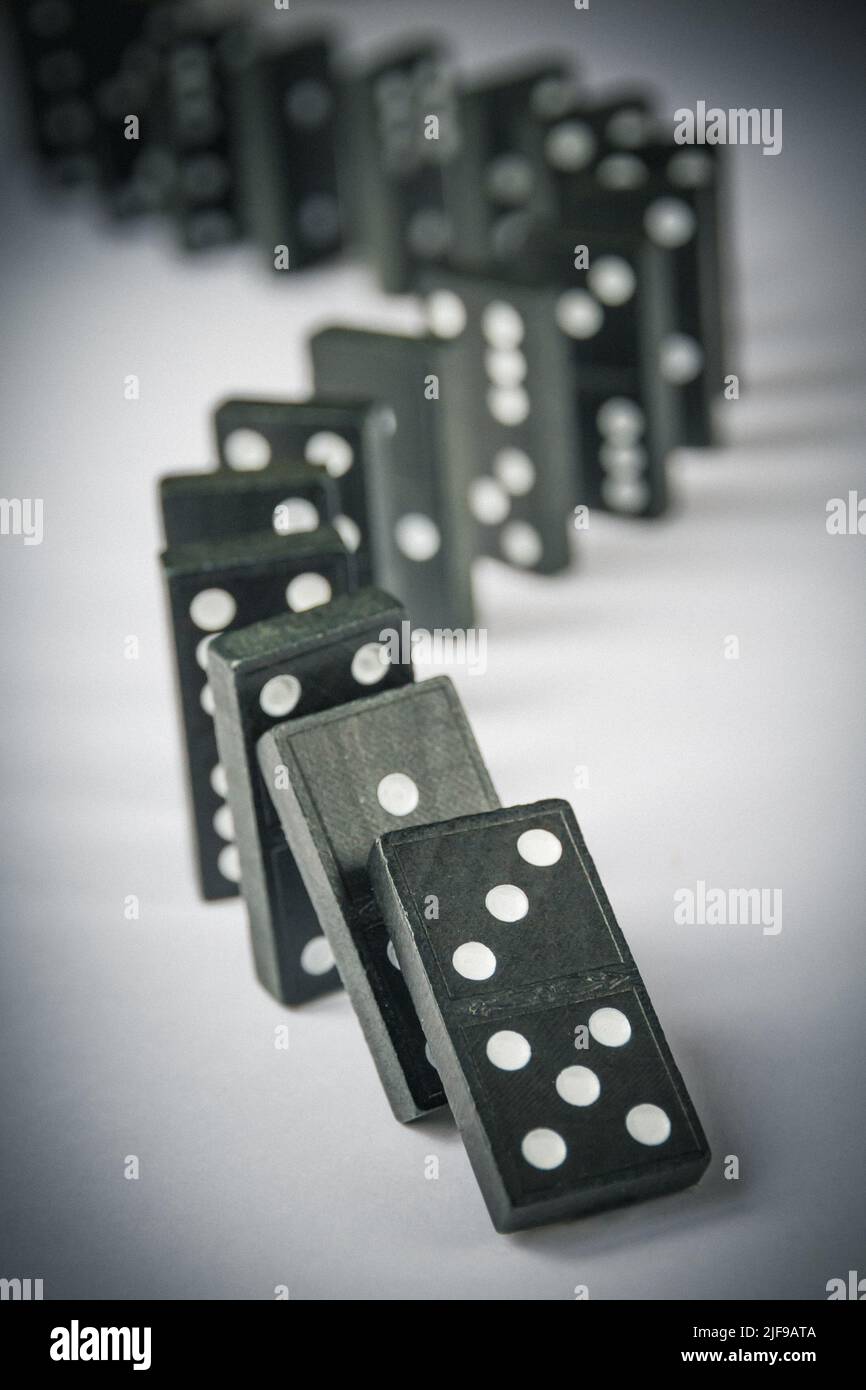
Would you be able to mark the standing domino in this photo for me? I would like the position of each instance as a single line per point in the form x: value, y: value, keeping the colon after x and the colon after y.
x: 497, y: 179
x: 283, y: 100
x: 423, y: 540
x: 510, y: 420
x: 399, y: 130
x: 214, y: 585
x: 342, y: 440
x: 611, y: 312
x: 218, y: 504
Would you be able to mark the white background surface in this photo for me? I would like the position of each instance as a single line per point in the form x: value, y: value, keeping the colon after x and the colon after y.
x: 262, y: 1167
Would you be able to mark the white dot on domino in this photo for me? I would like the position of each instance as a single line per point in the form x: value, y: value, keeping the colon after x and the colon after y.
x: 502, y: 325
x: 521, y: 543
x: 578, y: 1086
x: 539, y: 847
x: 417, y: 536
x: 570, y: 146
x: 610, y: 1027
x: 474, y: 961
x: 544, y: 1149
x: 505, y: 366
x: 489, y: 503
x: 509, y: 405
x: 681, y: 358
x: 622, y: 171
x: 317, y: 958
x: 628, y: 128
x: 279, y: 696
x: 212, y: 609
x: 370, y: 663
x: 348, y: 530
x: 397, y: 794
x: 201, y: 650
x: 515, y: 471
x: 307, y: 590
x: 229, y: 863
x: 611, y: 280
x: 648, y: 1124
x: 246, y: 450
x: 670, y: 222
x: 294, y: 514
x: 219, y: 781
x: 507, y: 903
x: 621, y: 420
x: 331, y: 451
x: 579, y: 314
x: 625, y: 494
x: 507, y: 1050
x: 446, y: 314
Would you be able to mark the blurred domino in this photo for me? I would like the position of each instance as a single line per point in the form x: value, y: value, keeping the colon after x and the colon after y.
x: 213, y: 505
x: 423, y: 538
x: 498, y: 179
x: 86, y: 65
x: 399, y: 132
x: 343, y: 440
x: 203, y: 137
x: 283, y: 102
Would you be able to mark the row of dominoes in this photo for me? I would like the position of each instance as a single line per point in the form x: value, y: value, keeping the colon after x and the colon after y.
x: 568, y: 250
x: 568, y: 258
x: 269, y: 132
x: 477, y: 944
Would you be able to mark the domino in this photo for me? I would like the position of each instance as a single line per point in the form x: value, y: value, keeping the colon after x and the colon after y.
x: 57, y: 87
x: 613, y: 311
x: 206, y: 200
x: 137, y: 176
x: 498, y: 180
x: 295, y: 665
x: 86, y: 66
x: 689, y: 196
x: 283, y: 104
x: 339, y: 780
x: 399, y: 131
x: 590, y: 148
x: 343, y: 440
x: 219, y: 504
x: 422, y: 536
x: 614, y: 147
x: 510, y: 418
x: 214, y: 585
x: 551, y: 1055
